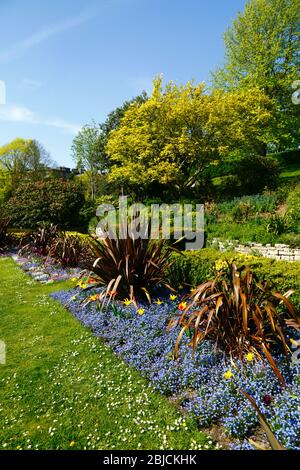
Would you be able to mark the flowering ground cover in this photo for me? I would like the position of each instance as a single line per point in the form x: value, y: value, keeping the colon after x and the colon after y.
x: 44, y: 269
x: 206, y: 386
x: 63, y: 388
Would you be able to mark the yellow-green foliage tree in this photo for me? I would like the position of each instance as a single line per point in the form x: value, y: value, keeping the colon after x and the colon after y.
x: 5, y: 185
x: 23, y: 159
x: 171, y: 138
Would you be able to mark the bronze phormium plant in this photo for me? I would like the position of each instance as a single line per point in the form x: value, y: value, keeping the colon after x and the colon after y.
x: 40, y: 240
x: 130, y: 267
x: 67, y: 249
x: 239, y: 315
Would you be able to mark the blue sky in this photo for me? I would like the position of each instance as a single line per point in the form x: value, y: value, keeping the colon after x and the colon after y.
x: 66, y: 62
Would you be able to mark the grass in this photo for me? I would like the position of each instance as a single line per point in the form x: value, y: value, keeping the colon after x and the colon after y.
x: 291, y: 171
x: 62, y: 388
x: 244, y: 232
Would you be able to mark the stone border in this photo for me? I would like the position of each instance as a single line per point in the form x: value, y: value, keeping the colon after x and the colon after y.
x: 279, y: 251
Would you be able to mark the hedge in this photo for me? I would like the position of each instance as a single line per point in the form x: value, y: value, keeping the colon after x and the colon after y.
x: 287, y: 157
x: 194, y: 267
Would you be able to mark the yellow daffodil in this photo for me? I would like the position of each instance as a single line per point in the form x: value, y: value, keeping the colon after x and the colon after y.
x: 173, y: 297
x: 159, y: 302
x: 126, y: 302
x: 249, y: 357
x: 141, y: 311
x: 72, y: 443
x: 228, y: 375
x: 95, y: 297
x: 182, y: 306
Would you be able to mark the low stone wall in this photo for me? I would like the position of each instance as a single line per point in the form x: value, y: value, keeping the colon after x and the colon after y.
x: 278, y: 251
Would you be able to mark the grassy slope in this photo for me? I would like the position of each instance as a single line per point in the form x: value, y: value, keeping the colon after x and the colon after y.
x: 62, y: 388
x: 291, y: 171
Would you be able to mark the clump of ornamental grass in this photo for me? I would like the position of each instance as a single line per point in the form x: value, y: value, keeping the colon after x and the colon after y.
x: 240, y: 315
x: 130, y: 267
x: 40, y: 240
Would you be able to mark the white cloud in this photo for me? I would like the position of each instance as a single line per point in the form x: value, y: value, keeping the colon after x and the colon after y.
x: 45, y: 33
x: 30, y: 84
x: 24, y: 115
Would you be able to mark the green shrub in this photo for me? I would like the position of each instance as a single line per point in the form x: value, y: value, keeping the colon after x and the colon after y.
x: 242, y: 211
x: 277, y: 224
x: 251, y: 231
x: 258, y: 202
x: 293, y: 209
x: 287, y: 157
x: 227, y: 186
x: 248, y: 175
x: 257, y: 173
x: 54, y: 201
x: 194, y: 267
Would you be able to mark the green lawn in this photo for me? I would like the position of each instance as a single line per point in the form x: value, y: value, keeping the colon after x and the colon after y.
x: 291, y: 171
x: 62, y: 388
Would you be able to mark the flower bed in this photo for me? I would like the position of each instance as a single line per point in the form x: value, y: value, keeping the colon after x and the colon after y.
x: 202, y: 385
x: 43, y: 269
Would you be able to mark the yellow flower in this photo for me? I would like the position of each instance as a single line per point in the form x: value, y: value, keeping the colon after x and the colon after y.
x: 18, y: 447
x: 84, y: 286
x: 228, y: 375
x: 141, y: 311
x: 159, y: 302
x: 127, y: 302
x: 220, y: 264
x: 182, y: 306
x: 249, y: 357
x: 74, y: 279
x: 173, y: 297
x: 95, y: 297
x: 72, y: 443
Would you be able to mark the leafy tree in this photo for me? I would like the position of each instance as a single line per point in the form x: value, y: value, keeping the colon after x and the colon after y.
x: 86, y: 150
x: 166, y: 142
x: 89, y: 145
x: 24, y: 159
x: 262, y: 49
